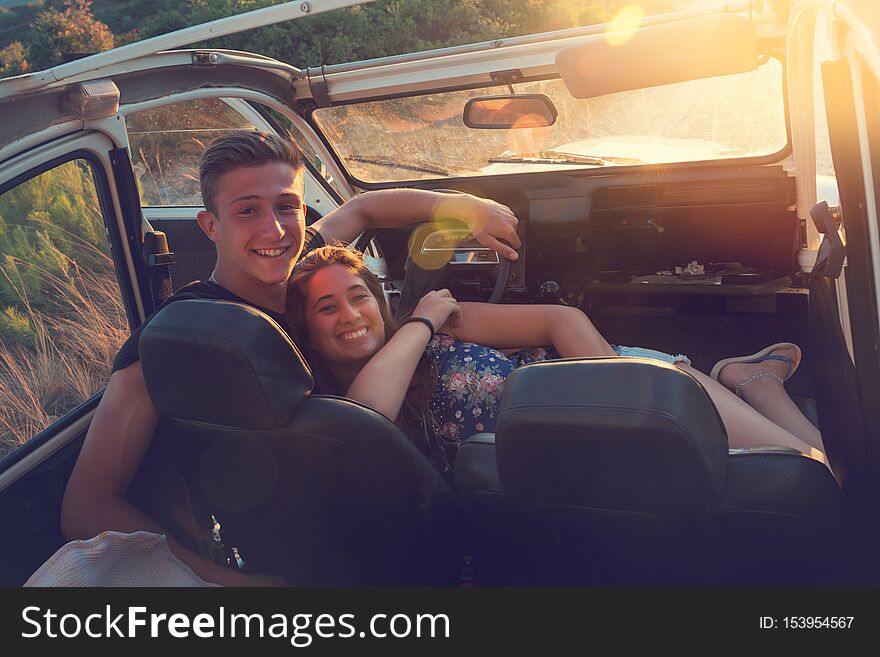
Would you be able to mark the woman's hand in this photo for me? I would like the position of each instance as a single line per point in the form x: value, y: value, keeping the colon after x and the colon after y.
x: 440, y: 307
x: 383, y: 382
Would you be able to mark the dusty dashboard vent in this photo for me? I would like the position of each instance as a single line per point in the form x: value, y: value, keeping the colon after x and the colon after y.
x: 723, y: 191
x: 696, y: 193
x: 631, y: 196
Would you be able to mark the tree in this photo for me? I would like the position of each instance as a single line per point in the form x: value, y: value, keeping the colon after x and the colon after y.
x: 383, y: 28
x: 379, y: 29
x: 71, y: 31
x: 13, y: 60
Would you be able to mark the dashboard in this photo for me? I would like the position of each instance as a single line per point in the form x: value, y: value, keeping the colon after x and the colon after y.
x: 595, y: 234
x: 458, y: 247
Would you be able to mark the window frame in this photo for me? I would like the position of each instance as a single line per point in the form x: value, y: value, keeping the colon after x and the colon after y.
x: 259, y: 104
x: 771, y: 158
x: 105, y: 203
x: 160, y: 103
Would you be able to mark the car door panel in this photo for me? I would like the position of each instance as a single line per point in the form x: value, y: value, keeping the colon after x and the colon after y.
x: 69, y: 195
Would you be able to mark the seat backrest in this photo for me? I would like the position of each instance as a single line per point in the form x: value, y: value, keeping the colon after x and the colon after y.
x: 617, y: 471
x: 642, y: 438
x: 319, y: 490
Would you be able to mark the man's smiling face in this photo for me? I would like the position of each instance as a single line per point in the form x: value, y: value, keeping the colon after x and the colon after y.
x: 259, y: 225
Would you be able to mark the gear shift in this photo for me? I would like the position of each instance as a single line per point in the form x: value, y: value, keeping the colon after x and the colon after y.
x: 552, y: 293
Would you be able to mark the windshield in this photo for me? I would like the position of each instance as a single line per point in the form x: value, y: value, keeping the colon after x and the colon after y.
x: 424, y: 137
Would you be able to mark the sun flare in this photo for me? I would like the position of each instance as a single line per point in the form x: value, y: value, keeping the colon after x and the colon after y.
x: 624, y: 25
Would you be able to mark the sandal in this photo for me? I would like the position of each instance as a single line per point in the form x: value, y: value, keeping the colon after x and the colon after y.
x: 760, y: 357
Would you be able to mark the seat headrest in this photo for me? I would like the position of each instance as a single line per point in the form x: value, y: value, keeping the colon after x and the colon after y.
x: 222, y: 363
x: 618, y: 434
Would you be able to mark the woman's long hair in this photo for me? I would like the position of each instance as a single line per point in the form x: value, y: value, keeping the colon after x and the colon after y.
x: 415, y: 413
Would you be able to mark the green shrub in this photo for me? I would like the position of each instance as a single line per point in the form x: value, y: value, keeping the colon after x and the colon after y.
x: 15, y: 329
x: 61, y: 315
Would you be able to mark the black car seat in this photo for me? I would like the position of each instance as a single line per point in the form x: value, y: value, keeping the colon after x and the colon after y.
x: 318, y: 490
x: 617, y: 471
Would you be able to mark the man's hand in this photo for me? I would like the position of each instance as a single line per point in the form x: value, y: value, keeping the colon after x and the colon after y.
x: 492, y: 224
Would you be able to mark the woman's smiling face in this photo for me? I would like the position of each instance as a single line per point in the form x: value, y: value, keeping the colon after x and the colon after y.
x: 343, y: 319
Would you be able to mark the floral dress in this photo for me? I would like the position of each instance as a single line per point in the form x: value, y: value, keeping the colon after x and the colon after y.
x: 470, y: 379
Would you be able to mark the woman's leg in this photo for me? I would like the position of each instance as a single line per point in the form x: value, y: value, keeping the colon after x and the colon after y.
x: 745, y: 426
x: 768, y: 416
x: 768, y: 396
x: 573, y: 334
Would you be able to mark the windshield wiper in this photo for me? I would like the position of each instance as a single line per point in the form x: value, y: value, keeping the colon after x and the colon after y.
x: 420, y: 167
x: 561, y: 157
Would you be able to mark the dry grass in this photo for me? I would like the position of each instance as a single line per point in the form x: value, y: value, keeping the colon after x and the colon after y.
x: 74, y: 341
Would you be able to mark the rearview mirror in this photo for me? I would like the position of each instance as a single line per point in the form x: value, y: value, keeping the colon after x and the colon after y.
x: 512, y: 111
x: 652, y: 56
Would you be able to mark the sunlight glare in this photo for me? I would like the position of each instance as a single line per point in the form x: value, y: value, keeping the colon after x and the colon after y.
x: 529, y: 140
x: 624, y: 25
x: 450, y: 207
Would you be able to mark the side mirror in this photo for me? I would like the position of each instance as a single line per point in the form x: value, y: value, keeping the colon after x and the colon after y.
x: 512, y: 111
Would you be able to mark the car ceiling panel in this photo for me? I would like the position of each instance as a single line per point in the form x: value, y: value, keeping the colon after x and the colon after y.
x: 30, y: 114
x: 157, y: 83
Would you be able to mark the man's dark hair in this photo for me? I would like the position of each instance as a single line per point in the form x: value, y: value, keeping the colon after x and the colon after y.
x: 242, y: 149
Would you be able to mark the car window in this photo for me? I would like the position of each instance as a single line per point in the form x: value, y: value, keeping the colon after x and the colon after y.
x: 61, y: 314
x: 308, y: 152
x: 424, y: 137
x: 166, y: 143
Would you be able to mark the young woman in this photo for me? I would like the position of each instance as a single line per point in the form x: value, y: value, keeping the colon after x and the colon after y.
x: 441, y: 372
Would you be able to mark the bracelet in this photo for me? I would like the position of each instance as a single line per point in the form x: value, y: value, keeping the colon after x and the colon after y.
x: 424, y: 320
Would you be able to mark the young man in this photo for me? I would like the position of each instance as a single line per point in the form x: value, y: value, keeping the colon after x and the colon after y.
x: 252, y: 186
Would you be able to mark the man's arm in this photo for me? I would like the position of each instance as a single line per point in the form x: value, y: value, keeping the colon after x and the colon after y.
x: 487, y: 220
x: 118, y: 438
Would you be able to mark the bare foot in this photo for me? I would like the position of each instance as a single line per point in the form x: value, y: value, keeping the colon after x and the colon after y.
x: 731, y: 375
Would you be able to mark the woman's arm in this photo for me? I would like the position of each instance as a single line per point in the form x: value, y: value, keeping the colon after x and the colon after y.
x: 383, y: 382
x: 567, y: 329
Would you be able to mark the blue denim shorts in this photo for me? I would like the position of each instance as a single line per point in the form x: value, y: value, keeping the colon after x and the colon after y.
x: 639, y: 352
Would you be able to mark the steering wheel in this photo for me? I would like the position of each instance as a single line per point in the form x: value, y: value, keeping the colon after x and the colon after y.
x: 420, y: 280
x: 426, y: 274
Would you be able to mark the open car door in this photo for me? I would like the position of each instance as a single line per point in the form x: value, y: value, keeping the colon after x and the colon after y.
x: 99, y: 159
x: 850, y: 257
